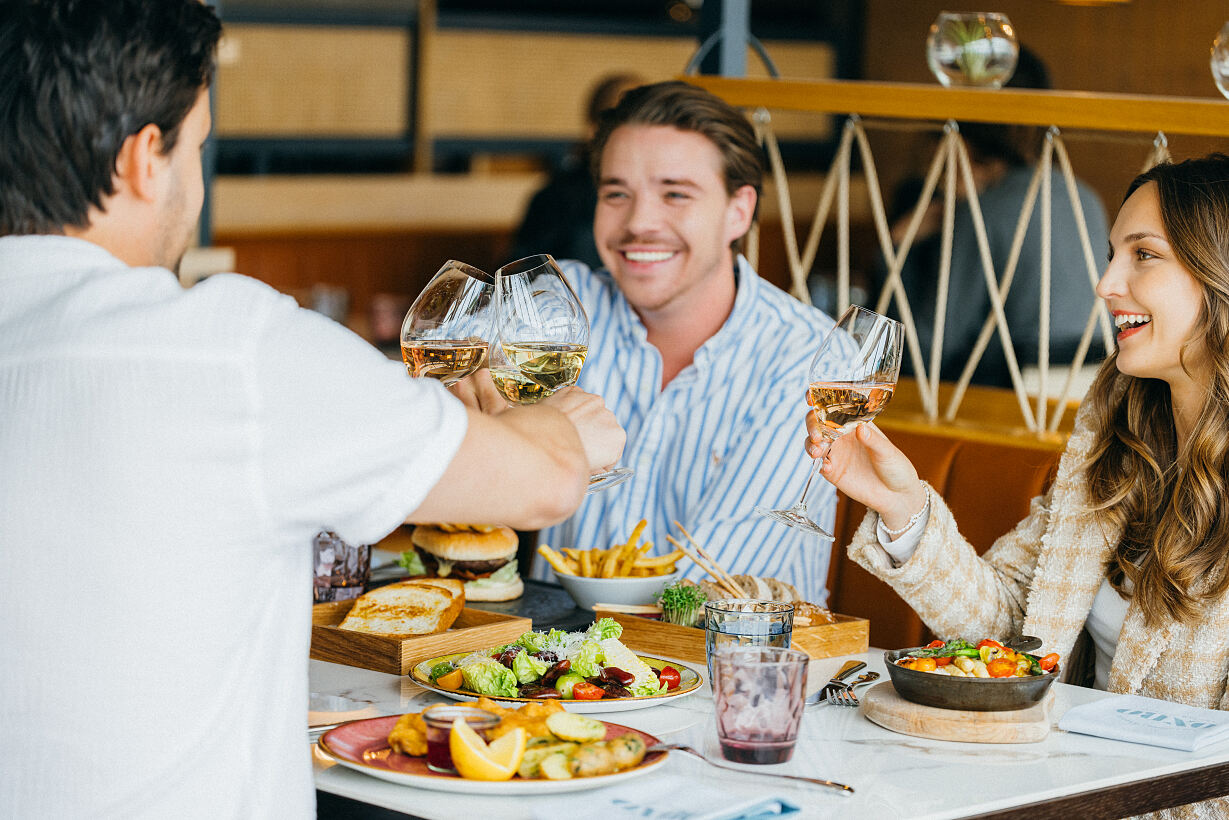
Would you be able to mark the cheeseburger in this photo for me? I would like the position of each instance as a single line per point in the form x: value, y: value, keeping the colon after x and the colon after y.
x: 482, y: 556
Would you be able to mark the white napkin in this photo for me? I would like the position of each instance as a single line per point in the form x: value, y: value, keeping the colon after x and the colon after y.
x: 1155, y: 722
x: 665, y: 798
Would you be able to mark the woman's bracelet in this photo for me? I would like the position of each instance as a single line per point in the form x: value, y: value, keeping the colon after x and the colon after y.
x: 913, y: 519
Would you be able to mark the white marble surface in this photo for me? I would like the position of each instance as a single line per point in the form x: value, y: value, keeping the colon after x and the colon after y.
x: 893, y: 775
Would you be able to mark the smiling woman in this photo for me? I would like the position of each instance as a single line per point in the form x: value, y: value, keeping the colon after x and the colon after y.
x: 1120, y: 567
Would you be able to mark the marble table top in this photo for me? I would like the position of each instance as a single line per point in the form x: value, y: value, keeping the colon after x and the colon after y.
x: 893, y: 775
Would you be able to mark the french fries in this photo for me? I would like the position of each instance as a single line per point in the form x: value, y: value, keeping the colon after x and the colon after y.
x: 627, y: 560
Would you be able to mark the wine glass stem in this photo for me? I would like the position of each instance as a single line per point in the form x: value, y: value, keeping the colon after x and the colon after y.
x: 801, y: 506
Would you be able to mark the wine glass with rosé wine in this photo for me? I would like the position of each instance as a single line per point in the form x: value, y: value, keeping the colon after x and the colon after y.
x: 445, y: 332
x: 540, y: 339
x: 850, y: 379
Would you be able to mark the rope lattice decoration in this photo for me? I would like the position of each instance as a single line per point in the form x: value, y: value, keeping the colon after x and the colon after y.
x: 951, y: 162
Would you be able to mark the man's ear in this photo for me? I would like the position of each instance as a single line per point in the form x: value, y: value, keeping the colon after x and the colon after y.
x: 740, y: 213
x: 139, y: 163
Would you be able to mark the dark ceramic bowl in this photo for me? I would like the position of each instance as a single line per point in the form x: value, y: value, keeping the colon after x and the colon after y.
x: 970, y: 694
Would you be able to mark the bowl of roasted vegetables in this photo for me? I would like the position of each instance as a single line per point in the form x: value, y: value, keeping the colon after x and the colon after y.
x: 988, y: 676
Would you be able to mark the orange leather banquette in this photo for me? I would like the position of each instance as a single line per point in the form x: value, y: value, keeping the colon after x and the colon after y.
x: 987, y: 479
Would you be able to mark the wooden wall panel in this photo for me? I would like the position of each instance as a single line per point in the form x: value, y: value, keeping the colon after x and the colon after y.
x: 501, y: 84
x: 1138, y: 47
x: 313, y: 81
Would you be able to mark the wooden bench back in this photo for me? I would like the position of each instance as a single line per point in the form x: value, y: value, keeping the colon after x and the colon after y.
x: 986, y: 478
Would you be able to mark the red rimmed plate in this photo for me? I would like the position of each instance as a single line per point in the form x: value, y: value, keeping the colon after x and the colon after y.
x: 362, y: 745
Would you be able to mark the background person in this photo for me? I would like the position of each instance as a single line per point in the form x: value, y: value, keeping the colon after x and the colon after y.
x: 559, y: 219
x: 703, y: 362
x: 1121, y: 567
x: 169, y: 454
x: 1002, y: 158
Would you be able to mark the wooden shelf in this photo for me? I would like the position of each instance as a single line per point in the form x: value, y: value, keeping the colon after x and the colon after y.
x: 1064, y: 109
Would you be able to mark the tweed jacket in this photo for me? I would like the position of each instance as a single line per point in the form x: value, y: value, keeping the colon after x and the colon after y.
x: 1040, y: 579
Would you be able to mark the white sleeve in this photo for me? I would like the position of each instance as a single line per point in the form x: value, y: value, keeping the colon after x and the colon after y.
x: 902, y: 549
x: 350, y: 442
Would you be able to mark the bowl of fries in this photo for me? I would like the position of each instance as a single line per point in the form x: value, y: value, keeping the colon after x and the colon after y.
x: 627, y: 573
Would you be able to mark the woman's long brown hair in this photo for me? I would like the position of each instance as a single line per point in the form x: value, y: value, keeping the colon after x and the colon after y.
x: 1172, y: 507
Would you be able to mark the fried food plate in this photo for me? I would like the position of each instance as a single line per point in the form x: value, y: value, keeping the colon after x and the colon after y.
x: 362, y: 745
x: 689, y: 682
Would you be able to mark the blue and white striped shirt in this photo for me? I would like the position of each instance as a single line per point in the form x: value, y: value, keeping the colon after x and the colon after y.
x: 723, y: 437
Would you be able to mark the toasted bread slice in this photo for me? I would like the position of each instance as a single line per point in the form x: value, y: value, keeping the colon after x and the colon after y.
x: 454, y: 586
x: 416, y: 607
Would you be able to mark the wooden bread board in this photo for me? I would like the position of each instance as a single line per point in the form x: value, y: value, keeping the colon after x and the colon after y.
x: 883, y: 705
x: 396, y: 655
x: 848, y: 636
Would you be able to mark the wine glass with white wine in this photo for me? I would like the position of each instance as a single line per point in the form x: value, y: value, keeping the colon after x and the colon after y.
x: 444, y: 335
x: 539, y: 339
x: 850, y: 379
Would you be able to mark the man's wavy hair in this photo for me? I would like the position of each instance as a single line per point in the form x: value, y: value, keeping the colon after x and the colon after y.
x: 1170, y: 504
x: 689, y: 108
x: 77, y: 78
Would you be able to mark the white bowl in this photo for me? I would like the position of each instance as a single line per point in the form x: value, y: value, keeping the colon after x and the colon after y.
x: 637, y: 590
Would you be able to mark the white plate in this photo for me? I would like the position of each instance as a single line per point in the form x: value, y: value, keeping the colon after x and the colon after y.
x: 362, y: 745
x: 689, y: 682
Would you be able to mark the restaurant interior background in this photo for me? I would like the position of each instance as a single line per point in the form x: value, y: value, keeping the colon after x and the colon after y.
x: 360, y: 143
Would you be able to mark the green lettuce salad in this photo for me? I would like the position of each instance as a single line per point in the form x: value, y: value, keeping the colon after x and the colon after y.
x: 549, y: 664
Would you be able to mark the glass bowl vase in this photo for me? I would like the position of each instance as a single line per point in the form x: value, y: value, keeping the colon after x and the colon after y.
x: 975, y: 48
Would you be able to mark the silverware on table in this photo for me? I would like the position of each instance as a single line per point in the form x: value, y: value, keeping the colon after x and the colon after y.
x: 816, y: 781
x: 832, y: 694
x: 846, y: 696
x: 837, y: 682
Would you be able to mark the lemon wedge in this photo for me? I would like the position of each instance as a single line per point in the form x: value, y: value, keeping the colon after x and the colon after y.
x: 476, y: 760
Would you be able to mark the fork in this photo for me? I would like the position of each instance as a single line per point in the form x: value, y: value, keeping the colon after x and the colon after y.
x: 837, y: 682
x: 844, y: 696
x: 815, y: 781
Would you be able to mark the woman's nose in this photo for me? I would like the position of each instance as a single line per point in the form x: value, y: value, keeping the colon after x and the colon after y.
x: 1111, y: 283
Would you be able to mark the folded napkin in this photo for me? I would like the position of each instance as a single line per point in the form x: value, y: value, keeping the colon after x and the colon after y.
x: 1138, y: 719
x: 665, y: 798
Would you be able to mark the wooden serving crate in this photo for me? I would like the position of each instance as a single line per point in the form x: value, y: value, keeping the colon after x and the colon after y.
x: 473, y: 629
x: 848, y: 636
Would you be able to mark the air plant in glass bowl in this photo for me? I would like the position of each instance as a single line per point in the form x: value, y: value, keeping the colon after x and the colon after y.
x: 972, y: 49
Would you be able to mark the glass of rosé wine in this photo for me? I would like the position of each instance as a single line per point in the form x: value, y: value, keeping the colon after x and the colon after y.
x: 850, y: 379
x: 445, y: 332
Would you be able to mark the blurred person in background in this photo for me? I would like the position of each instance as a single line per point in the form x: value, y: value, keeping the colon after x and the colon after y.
x: 559, y: 219
x: 1002, y: 158
x: 169, y: 454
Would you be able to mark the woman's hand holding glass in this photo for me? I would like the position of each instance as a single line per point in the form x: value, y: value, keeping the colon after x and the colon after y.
x: 850, y: 379
x: 866, y: 466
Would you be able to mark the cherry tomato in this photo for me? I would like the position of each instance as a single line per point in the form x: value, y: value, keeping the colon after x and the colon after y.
x: 935, y: 644
x: 989, y: 642
x: 944, y: 660
x: 1001, y: 668
x: 583, y: 690
x: 1048, y: 662
x: 670, y: 677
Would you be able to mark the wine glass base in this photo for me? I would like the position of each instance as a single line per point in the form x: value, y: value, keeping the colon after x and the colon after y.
x: 793, y: 518
x: 608, y: 479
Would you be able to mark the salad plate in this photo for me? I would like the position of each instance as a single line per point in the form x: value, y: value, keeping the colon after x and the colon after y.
x: 362, y: 745
x: 689, y: 682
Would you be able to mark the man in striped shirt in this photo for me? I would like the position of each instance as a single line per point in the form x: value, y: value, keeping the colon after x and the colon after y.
x: 703, y: 363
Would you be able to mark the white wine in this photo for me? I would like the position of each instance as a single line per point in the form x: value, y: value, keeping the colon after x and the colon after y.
x: 549, y: 364
x: 516, y: 387
x: 841, y: 405
x: 448, y: 360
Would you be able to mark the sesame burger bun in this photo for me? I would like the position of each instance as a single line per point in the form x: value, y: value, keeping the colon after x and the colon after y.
x: 488, y: 591
x: 500, y: 542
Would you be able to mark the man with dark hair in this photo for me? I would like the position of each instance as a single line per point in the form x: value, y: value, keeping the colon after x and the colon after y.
x: 703, y: 362
x: 168, y: 454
